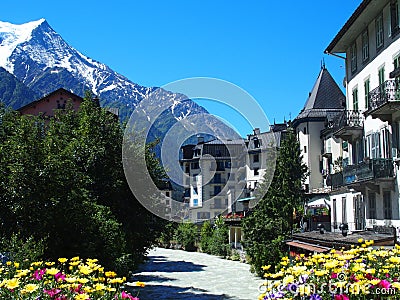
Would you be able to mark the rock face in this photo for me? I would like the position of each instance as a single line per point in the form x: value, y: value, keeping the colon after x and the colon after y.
x: 40, y: 58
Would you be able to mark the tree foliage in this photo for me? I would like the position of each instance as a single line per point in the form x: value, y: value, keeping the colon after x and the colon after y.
x: 62, y: 182
x: 271, y: 222
x: 214, y: 238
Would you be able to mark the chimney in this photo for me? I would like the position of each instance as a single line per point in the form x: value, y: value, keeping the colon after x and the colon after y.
x: 256, y: 131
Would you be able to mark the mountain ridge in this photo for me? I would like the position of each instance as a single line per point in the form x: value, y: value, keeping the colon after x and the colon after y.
x: 40, y: 58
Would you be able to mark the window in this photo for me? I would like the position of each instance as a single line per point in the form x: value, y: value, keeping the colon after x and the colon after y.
x: 365, y: 45
x: 256, y: 143
x: 256, y: 172
x: 334, y: 214
x: 305, y: 149
x: 167, y: 194
x: 353, y: 57
x: 394, y: 17
x: 305, y: 130
x: 256, y: 158
x: 344, y: 210
x: 387, y: 205
x: 386, y: 143
x: 218, y: 203
x: 396, y: 62
x: 195, y: 165
x: 196, y: 202
x: 217, y: 190
x: 372, y: 145
x: 366, y: 92
x: 203, y: 215
x: 381, y: 75
x: 355, y: 99
x: 371, y: 205
x: 381, y: 78
x: 217, y: 178
x: 379, y: 31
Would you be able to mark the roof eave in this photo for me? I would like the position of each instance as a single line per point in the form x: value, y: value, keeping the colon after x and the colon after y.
x: 334, y: 46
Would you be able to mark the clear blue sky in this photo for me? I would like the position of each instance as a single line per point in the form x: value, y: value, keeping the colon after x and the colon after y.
x: 272, y: 49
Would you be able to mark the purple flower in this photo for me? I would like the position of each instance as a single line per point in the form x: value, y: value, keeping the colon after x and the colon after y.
x: 292, y: 287
x: 315, y: 297
x: 303, y: 279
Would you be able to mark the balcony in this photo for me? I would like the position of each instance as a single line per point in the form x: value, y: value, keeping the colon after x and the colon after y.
x: 349, y: 125
x: 367, y: 173
x: 373, y: 171
x: 335, y: 180
x: 384, y: 100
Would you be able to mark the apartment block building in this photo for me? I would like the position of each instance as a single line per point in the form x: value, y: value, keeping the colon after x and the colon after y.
x: 370, y: 45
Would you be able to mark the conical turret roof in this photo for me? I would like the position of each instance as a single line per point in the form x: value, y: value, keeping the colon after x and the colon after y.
x: 326, y: 96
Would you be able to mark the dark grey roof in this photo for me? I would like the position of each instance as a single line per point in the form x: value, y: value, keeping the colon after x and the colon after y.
x: 325, y: 96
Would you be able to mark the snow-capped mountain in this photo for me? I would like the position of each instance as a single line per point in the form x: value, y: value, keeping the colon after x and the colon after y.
x: 39, y: 57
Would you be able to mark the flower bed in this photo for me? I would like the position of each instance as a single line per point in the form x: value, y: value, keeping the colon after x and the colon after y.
x: 67, y: 279
x: 359, y: 273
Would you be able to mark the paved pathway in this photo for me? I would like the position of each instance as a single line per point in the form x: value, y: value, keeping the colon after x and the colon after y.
x: 176, y: 274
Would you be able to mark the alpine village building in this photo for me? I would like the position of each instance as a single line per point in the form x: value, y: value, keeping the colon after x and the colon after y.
x: 353, y: 186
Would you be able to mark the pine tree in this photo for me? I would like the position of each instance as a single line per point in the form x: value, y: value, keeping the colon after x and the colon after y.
x: 271, y: 222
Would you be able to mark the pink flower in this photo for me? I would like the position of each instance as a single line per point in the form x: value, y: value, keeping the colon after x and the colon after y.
x: 384, y: 284
x: 125, y: 295
x: 341, y: 297
x: 334, y: 275
x: 52, y: 292
x: 38, y: 274
x: 59, y: 276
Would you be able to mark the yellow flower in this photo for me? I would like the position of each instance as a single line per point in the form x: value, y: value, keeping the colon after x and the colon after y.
x: 320, y: 272
x: 116, y: 280
x: 86, y: 270
x: 141, y: 284
x: 396, y: 285
x: 50, y: 263
x: 83, y: 280
x: 76, y: 258
x: 16, y: 265
x: 394, y: 259
x: 99, y: 286
x: 22, y: 273
x: 30, y: 288
x: 81, y: 297
x: 12, y: 283
x: 70, y: 279
x: 62, y: 260
x: 266, y: 268
x: 110, y: 274
x: 52, y: 271
x: 360, y: 240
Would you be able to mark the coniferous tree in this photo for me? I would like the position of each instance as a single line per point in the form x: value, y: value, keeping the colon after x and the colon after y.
x: 271, y: 222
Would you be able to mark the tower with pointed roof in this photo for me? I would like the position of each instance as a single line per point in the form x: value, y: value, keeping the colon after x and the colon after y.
x: 324, y: 103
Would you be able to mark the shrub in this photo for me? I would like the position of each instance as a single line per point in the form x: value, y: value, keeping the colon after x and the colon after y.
x: 186, y: 235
